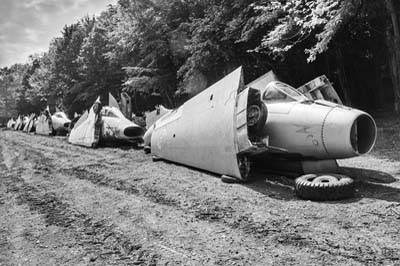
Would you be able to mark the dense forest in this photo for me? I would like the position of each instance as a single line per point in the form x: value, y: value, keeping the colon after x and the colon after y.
x: 168, y: 51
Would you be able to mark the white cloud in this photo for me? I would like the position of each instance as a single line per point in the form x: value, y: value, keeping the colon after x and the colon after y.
x: 28, y: 26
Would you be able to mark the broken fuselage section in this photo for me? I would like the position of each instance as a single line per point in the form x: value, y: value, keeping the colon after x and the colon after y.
x: 104, y: 124
x: 213, y: 130
x: 228, y: 127
x: 116, y: 127
x: 56, y: 124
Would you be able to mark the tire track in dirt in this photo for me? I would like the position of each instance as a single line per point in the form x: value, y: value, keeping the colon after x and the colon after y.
x: 99, y: 238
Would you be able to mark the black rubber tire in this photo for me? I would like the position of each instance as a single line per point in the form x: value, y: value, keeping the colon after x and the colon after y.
x: 322, y: 187
x: 147, y: 149
x: 257, y: 129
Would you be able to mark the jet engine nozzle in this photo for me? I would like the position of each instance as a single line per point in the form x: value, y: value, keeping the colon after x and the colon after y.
x: 348, y: 132
x: 133, y: 131
x: 363, y: 134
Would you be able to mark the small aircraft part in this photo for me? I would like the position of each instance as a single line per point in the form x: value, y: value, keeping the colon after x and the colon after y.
x: 151, y: 119
x: 11, y: 123
x: 60, y: 123
x: 320, y: 89
x: 87, y: 128
x: 43, y: 124
x: 126, y: 105
x: 30, y: 125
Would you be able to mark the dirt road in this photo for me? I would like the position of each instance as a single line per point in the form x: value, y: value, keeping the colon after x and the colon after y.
x: 67, y: 205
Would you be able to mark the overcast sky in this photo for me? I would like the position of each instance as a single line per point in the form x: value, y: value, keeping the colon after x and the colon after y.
x: 27, y: 26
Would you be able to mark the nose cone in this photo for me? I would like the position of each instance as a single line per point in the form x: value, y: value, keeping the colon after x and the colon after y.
x: 133, y: 131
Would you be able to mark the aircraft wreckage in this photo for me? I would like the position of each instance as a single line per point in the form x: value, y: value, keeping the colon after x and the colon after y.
x: 11, y: 123
x: 56, y: 124
x: 104, y: 124
x: 229, y: 128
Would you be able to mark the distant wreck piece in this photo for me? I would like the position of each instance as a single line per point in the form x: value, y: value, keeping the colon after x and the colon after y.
x: 151, y: 119
x: 126, y: 105
x: 43, y: 124
x: 11, y: 123
x: 48, y: 124
x: 86, y: 131
x: 320, y: 88
x: 19, y: 123
x: 104, y: 124
x: 153, y: 116
x: 30, y: 125
x: 230, y: 128
x: 60, y: 123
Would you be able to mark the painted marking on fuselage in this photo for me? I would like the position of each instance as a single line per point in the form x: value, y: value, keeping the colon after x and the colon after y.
x: 310, y: 135
x: 303, y: 129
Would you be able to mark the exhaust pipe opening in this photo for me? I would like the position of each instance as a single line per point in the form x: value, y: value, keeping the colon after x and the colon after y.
x: 133, y: 131
x: 363, y: 134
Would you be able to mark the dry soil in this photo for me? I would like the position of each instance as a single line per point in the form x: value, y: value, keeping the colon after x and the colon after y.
x: 67, y: 205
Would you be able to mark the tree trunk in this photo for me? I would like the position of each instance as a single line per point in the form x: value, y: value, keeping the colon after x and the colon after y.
x: 379, y: 90
x: 342, y: 77
x: 169, y: 99
x: 394, y: 50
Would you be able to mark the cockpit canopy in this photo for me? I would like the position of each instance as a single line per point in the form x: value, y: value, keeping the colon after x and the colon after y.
x: 277, y: 91
x: 111, y: 112
x: 61, y: 115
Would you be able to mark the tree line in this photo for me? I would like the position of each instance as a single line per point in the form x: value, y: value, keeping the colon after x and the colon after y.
x: 167, y: 51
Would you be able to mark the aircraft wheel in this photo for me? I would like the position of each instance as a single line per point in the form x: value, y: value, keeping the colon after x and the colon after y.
x: 147, y: 149
x: 320, y: 187
x: 244, y: 167
x: 257, y: 116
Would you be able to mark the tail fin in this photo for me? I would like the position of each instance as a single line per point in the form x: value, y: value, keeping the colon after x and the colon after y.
x: 112, y: 102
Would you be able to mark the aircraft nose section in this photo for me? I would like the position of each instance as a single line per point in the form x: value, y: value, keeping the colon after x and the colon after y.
x: 133, y: 131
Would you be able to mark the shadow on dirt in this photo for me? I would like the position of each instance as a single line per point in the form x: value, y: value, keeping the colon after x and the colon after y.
x: 272, y: 185
x: 121, y: 144
x: 369, y: 184
x: 367, y: 175
x: 377, y: 191
x: 373, y: 184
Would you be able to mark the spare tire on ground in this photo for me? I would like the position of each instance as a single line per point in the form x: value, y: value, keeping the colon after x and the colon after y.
x: 320, y: 187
